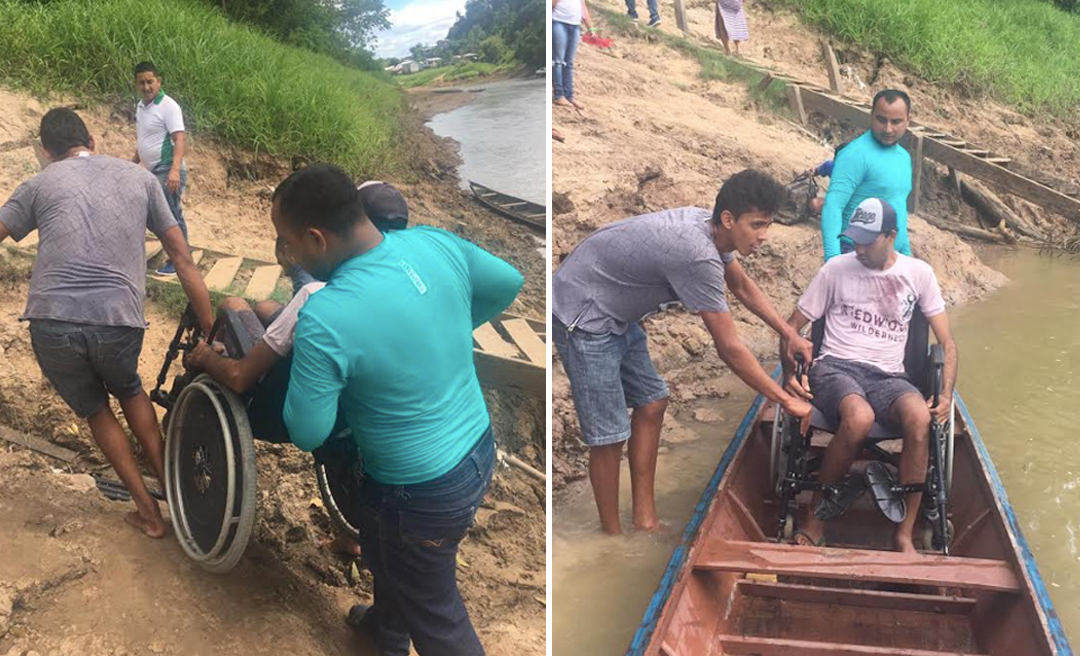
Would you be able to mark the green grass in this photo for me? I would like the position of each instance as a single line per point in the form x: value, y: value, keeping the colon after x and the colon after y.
x: 715, y: 65
x: 232, y: 82
x: 1023, y: 52
x: 452, y: 73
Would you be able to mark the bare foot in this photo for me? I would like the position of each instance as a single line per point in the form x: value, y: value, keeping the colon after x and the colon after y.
x: 344, y: 545
x: 904, y: 545
x: 578, y: 105
x: 562, y: 102
x: 153, y: 528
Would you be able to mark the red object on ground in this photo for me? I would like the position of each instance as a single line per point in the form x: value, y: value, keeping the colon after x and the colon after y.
x: 598, y: 41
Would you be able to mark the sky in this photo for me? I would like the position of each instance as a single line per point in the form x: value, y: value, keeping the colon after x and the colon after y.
x: 416, y: 21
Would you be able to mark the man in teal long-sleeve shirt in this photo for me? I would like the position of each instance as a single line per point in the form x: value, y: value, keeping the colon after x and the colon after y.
x: 874, y: 165
x: 390, y: 339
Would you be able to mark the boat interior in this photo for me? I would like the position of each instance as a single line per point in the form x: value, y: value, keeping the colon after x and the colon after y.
x: 742, y: 592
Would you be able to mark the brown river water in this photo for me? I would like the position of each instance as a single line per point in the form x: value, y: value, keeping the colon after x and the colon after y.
x: 1020, y: 378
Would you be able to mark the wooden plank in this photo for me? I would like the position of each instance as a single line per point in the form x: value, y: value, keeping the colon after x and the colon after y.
x: 263, y: 282
x: 915, y: 148
x: 796, y: 101
x: 835, y: 81
x: 153, y: 247
x: 37, y: 444
x: 765, y: 82
x: 222, y: 273
x: 680, y: 17
x: 754, y: 646
x: 488, y: 339
x: 857, y: 565
x: 196, y: 256
x: 862, y: 598
x: 746, y: 518
x: 527, y: 340
x: 499, y: 372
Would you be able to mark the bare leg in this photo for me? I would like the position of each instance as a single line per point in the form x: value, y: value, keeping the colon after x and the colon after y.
x: 265, y: 310
x: 114, y: 444
x: 721, y: 31
x: 816, y: 205
x: 911, y: 413
x: 140, y: 416
x: 604, y: 464
x: 645, y: 425
x: 856, y: 419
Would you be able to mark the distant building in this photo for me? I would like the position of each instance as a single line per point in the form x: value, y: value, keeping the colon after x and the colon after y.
x: 432, y: 62
x: 470, y: 56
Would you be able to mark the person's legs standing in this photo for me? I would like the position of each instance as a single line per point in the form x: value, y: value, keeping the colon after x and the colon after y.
x: 592, y: 363
x: 631, y: 9
x: 572, y: 40
x: 654, y: 13
x: 174, y: 201
x: 647, y: 393
x: 559, y: 39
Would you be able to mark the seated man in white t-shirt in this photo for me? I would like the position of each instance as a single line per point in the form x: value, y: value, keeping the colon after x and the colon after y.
x: 868, y: 298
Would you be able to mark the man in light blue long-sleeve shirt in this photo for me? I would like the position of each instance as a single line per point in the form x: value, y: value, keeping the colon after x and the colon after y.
x: 390, y: 339
x: 874, y: 165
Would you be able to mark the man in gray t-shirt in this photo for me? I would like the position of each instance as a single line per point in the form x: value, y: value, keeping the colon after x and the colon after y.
x: 633, y: 268
x: 85, y: 306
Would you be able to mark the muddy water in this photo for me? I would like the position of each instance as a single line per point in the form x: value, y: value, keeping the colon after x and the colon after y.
x: 501, y: 132
x: 1019, y: 375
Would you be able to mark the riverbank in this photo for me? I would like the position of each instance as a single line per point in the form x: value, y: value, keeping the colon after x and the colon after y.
x: 429, y: 100
x: 289, y: 593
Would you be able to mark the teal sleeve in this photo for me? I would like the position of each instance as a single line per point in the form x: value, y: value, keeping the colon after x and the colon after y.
x: 319, y: 372
x: 847, y: 172
x: 495, y: 283
x: 903, y: 244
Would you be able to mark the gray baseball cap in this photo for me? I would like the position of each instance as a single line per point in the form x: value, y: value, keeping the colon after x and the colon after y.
x: 871, y: 218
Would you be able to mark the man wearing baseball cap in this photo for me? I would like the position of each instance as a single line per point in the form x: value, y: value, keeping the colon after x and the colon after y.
x: 868, y: 298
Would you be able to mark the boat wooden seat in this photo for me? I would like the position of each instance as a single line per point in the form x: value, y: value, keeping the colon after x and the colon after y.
x: 857, y: 565
x: 755, y: 646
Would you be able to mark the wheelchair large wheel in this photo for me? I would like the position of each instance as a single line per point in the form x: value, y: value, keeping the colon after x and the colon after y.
x: 949, y: 446
x: 210, y: 474
x: 331, y: 491
x: 777, y: 453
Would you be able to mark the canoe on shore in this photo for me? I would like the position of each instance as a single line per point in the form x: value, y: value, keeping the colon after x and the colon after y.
x: 730, y: 588
x: 515, y: 209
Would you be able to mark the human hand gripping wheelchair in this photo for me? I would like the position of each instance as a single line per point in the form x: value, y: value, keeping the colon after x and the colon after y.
x: 210, y: 474
x: 794, y: 458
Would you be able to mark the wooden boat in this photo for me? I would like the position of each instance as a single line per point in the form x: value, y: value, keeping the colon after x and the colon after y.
x: 511, y: 352
x: 731, y: 589
x: 515, y: 209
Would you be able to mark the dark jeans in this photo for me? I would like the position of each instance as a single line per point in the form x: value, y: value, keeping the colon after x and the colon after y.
x: 409, y: 536
x: 631, y: 9
x: 564, y: 43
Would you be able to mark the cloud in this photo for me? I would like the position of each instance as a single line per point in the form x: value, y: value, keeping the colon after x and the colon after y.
x: 417, y: 22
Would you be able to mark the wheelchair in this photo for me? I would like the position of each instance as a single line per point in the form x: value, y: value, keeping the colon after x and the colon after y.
x: 794, y: 460
x: 210, y: 474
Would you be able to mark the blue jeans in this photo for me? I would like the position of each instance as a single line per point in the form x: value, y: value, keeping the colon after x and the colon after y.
x: 608, y: 373
x: 174, y: 199
x: 564, y: 43
x: 631, y: 9
x: 409, y: 537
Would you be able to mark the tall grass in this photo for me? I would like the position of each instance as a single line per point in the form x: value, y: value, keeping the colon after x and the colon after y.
x: 1023, y: 52
x: 231, y: 81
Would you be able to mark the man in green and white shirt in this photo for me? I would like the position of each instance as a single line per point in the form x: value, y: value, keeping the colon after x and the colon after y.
x: 159, y: 132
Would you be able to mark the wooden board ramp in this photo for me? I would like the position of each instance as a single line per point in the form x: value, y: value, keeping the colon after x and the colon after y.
x: 222, y: 273
x: 511, y: 351
x: 263, y: 282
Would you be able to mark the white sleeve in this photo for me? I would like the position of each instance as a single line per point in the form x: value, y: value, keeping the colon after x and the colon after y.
x: 174, y: 117
x: 279, y: 334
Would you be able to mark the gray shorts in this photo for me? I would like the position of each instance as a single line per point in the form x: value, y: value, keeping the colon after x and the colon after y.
x: 608, y: 373
x: 832, y: 379
x: 86, y: 363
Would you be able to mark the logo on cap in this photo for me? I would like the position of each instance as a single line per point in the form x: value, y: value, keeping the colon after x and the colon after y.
x: 863, y: 216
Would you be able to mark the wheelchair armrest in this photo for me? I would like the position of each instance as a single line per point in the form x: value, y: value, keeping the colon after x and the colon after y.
x: 937, y: 355
x: 237, y: 331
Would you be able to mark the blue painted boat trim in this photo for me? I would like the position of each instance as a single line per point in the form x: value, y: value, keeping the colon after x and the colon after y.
x: 1042, y: 596
x: 674, y: 566
x: 671, y: 573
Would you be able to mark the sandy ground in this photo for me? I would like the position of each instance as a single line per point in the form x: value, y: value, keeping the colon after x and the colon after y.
x: 75, y: 580
x: 655, y: 135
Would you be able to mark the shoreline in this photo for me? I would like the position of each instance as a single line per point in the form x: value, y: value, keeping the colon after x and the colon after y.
x: 431, y: 100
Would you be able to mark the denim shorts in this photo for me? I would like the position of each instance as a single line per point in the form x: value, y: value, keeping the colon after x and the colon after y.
x: 86, y: 363
x: 832, y: 379
x: 608, y: 373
